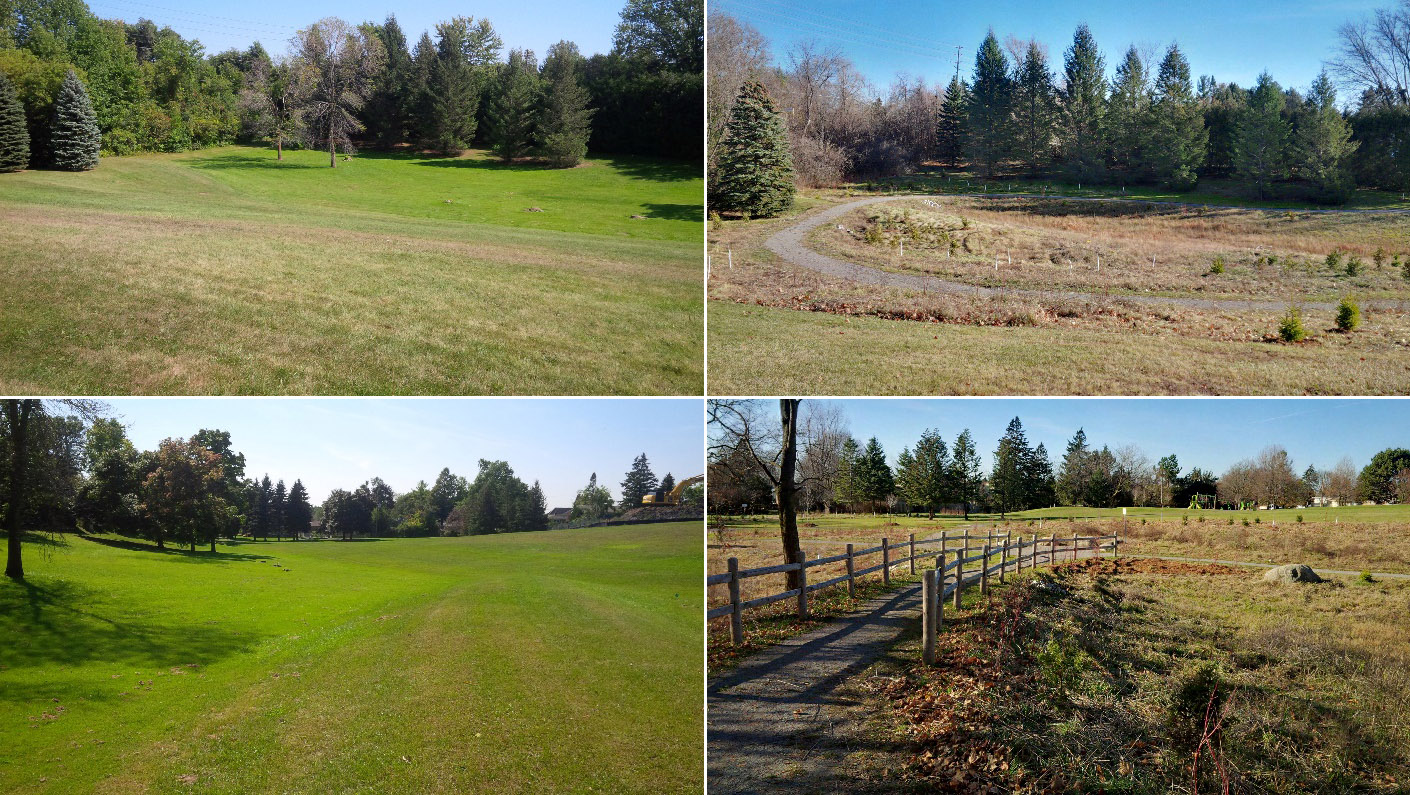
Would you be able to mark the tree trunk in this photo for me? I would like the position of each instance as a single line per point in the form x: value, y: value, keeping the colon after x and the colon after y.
x: 18, y: 413
x: 332, y: 148
x: 786, y: 490
x: 279, y: 145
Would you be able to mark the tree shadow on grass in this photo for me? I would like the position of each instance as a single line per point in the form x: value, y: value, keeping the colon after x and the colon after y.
x: 675, y: 212
x: 54, y: 621
x: 655, y: 169
x: 199, y: 555
x: 225, y: 162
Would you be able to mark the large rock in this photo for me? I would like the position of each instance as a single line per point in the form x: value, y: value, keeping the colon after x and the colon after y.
x: 1291, y: 573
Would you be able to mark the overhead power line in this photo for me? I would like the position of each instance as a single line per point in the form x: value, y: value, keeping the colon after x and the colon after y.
x: 809, y: 28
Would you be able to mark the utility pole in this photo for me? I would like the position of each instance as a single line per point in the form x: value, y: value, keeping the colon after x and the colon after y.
x: 958, y: 48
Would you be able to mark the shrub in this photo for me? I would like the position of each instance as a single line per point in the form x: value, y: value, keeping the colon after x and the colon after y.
x: 873, y: 234
x: 1195, y: 694
x: 1290, y: 329
x: 1379, y: 256
x: 1258, y: 520
x: 1246, y: 523
x: 1405, y: 271
x: 1366, y: 578
x: 1218, y: 266
x: 1348, y: 314
x: 1299, y: 518
x: 1353, y: 266
x: 1334, y: 260
x: 1185, y: 519
x: 1231, y: 520
x: 1200, y: 520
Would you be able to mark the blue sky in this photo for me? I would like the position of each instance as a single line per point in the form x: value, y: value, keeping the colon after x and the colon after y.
x: 1209, y: 433
x: 1234, y: 41
x: 223, y: 25
x: 339, y: 443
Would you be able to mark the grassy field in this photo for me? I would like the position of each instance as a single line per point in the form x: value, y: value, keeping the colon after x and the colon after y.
x: 776, y: 328
x: 566, y: 661
x: 1101, y: 681
x: 226, y: 271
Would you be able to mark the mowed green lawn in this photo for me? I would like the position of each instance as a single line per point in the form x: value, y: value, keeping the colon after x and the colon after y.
x: 226, y: 271
x: 564, y: 661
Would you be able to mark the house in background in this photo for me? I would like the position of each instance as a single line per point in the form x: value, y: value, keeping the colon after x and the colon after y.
x: 559, y: 515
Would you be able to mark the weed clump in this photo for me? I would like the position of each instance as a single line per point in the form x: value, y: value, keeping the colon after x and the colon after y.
x: 1218, y: 266
x: 1348, y: 314
x: 1290, y: 329
x: 1366, y: 578
x: 1299, y: 518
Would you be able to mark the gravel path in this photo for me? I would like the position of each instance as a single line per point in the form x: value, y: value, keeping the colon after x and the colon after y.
x: 788, y: 244
x: 777, y: 723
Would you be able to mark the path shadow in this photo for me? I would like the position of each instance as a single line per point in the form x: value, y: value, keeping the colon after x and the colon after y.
x: 199, y: 555
x: 62, y: 622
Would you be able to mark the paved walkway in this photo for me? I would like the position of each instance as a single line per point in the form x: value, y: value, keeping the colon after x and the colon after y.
x: 789, y: 244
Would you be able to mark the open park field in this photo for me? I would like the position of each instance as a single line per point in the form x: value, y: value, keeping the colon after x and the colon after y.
x: 226, y: 271
x: 561, y: 661
x: 914, y: 289
x: 1137, y: 675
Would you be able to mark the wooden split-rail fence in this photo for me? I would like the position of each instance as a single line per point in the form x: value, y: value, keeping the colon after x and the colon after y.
x: 996, y: 553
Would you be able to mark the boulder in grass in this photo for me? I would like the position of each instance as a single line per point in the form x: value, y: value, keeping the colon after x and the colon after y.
x: 1292, y: 574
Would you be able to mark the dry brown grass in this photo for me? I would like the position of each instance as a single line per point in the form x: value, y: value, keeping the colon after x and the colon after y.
x: 1347, y: 546
x: 1053, y: 244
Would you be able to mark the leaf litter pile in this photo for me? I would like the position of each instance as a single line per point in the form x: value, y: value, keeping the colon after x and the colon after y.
x: 1082, y: 679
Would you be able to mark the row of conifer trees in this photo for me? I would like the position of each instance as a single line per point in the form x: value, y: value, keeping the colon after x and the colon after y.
x: 74, y: 138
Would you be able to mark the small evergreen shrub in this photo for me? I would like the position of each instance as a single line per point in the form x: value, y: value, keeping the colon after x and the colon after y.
x: 1379, y: 256
x: 1333, y: 260
x: 1185, y: 520
x: 1299, y: 518
x: 1348, y: 314
x: 1353, y: 266
x: 1366, y: 578
x: 1258, y: 520
x: 1290, y: 329
x: 1218, y: 266
x: 1246, y: 523
x: 1231, y: 521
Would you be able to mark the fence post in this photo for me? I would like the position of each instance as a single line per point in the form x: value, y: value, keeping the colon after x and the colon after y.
x: 984, y: 573
x: 913, y: 553
x: 1116, y: 546
x: 1052, y: 548
x: 939, y: 592
x: 959, y: 575
x: 1003, y: 559
x: 736, y: 616
x: 851, y: 575
x: 802, y: 584
x: 1074, y: 546
x: 928, y: 616
x: 885, y: 562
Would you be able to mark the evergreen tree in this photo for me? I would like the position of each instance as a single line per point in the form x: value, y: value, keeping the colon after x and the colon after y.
x: 953, y: 123
x: 264, y: 492
x: 990, y: 135
x: 278, y: 503
x: 565, y: 121
x: 418, y: 103
x: 513, y: 107
x: 1073, y: 477
x: 297, y: 511
x: 1324, y: 146
x: 1083, y: 108
x: 1179, y: 141
x: 536, y: 511
x: 1128, y: 118
x: 1034, y: 109
x: 1009, y: 482
x: 640, y: 481
x: 14, y: 133
x: 1260, y: 140
x: 874, y: 479
x: 848, y: 489
x: 754, y: 174
x: 923, y: 478
x: 667, y: 483
x: 385, y: 111
x: 452, y: 96
x: 965, y: 475
x: 76, y: 139
x: 1039, y: 474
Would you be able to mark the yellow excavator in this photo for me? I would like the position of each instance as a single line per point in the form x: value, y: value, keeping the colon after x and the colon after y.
x: 661, y: 498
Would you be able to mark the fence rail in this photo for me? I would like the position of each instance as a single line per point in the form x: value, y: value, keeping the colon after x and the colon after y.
x: 1013, y: 553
